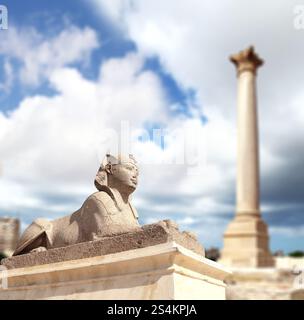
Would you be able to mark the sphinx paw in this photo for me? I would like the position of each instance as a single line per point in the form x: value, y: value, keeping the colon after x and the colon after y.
x: 39, y: 249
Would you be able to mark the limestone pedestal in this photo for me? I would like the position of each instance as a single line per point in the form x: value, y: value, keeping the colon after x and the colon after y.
x: 163, y: 271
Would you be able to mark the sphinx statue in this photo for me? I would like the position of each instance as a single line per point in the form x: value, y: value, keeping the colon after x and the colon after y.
x: 105, y: 213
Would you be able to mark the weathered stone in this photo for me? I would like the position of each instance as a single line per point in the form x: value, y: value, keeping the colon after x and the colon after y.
x: 148, y: 235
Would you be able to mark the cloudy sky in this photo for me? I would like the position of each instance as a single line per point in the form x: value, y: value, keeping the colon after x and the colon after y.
x: 76, y: 75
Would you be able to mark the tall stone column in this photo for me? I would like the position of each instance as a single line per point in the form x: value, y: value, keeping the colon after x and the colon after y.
x: 246, y: 238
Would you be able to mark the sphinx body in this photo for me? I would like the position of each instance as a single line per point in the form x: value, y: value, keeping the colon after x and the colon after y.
x: 104, y: 213
x: 99, y: 216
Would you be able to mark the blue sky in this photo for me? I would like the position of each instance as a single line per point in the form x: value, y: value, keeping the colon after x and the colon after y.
x: 71, y: 69
x: 50, y: 18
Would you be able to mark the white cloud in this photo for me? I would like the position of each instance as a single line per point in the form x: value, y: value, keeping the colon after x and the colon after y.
x: 51, y: 146
x: 39, y: 56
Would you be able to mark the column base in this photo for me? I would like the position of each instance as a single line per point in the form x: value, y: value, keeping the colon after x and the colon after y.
x: 246, y: 243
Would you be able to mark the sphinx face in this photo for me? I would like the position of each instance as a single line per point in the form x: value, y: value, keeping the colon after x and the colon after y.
x: 126, y: 174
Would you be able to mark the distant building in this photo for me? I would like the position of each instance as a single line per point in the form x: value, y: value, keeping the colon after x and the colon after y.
x: 9, y: 234
x: 212, y: 253
x: 279, y: 253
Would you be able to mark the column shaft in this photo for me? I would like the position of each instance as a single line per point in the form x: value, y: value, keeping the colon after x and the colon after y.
x: 248, y: 154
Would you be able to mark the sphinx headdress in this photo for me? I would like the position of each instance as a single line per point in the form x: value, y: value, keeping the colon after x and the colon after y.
x: 101, y: 178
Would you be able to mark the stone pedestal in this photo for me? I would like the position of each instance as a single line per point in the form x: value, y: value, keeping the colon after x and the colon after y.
x: 162, y: 271
x: 246, y: 238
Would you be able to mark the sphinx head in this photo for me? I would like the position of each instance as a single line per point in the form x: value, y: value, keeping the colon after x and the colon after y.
x: 120, y: 173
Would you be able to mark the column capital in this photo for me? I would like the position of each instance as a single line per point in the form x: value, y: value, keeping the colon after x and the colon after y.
x: 246, y: 60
